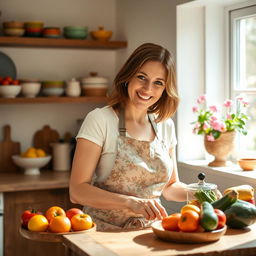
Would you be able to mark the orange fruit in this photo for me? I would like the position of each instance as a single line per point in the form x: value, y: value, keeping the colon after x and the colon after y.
x: 40, y: 152
x: 190, y: 207
x: 38, y: 223
x: 189, y: 221
x: 81, y: 222
x: 53, y: 212
x: 60, y: 224
x: 171, y: 222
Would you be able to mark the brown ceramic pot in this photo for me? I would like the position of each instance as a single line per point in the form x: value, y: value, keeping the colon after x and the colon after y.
x: 221, y: 148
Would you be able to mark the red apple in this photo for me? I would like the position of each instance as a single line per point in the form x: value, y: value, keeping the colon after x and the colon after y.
x: 73, y: 211
x: 5, y: 82
x: 15, y: 82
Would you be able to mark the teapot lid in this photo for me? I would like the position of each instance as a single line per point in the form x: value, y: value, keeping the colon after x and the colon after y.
x: 201, y: 185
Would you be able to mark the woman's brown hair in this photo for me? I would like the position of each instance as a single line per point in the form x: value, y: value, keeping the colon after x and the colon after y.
x: 167, y: 105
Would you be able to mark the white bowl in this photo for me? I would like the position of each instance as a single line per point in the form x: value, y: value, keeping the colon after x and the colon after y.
x: 53, y: 91
x: 30, y: 89
x: 31, y: 165
x: 9, y: 91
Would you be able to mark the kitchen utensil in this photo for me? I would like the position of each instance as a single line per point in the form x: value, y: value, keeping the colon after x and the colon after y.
x: 73, y: 88
x: 7, y: 66
x: 7, y: 149
x: 53, y: 91
x: 31, y: 165
x: 9, y: 91
x: 30, y: 89
x: 199, y: 187
x: 101, y: 34
x: 61, y: 156
x: 247, y: 164
x: 187, y: 237
x: 75, y: 32
x: 43, y: 138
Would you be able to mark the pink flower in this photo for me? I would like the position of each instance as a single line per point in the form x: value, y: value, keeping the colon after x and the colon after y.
x: 218, y: 125
x: 195, y: 109
x: 213, y: 118
x: 229, y: 117
x: 210, y: 137
x: 201, y: 99
x: 245, y: 103
x: 206, y: 126
x: 213, y: 108
x: 239, y: 98
x: 228, y: 103
x: 197, y: 125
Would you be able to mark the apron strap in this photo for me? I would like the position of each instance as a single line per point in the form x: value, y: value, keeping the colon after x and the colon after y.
x: 122, y: 129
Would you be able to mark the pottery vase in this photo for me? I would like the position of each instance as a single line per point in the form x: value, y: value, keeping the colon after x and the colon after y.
x: 220, y: 148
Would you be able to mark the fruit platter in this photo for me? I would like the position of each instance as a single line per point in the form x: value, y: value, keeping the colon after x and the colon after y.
x: 55, y: 222
x: 207, y: 218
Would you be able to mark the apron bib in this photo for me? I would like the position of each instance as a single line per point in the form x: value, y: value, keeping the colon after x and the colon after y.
x: 141, y: 169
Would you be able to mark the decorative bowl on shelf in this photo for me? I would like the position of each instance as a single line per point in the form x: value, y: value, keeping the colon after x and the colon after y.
x: 30, y: 89
x: 101, y: 34
x: 247, y: 164
x: 13, y: 24
x: 75, y: 32
x: 31, y: 165
x: 14, y: 31
x: 9, y: 91
x: 187, y: 237
x: 53, y: 91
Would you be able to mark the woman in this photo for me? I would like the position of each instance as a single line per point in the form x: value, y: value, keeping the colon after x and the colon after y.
x: 125, y: 155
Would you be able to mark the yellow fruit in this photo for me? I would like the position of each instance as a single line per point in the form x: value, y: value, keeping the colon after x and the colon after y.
x: 38, y: 223
x: 190, y: 207
x: 31, y: 155
x: 40, y: 152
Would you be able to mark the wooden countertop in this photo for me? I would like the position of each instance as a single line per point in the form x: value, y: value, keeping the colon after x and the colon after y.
x: 10, y: 182
x: 144, y: 242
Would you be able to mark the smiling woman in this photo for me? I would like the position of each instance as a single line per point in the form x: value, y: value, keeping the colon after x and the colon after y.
x: 125, y: 154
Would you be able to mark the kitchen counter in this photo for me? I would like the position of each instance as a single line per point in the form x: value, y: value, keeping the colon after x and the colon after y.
x: 10, y: 182
x: 144, y: 242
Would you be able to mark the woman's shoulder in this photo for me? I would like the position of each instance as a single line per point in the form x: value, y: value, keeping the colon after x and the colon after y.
x: 104, y: 113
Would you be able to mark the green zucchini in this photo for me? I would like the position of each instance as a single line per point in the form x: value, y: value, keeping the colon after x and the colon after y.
x: 227, y: 200
x: 240, y: 214
x: 208, y: 218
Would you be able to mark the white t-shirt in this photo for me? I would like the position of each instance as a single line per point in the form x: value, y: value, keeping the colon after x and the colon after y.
x: 101, y: 127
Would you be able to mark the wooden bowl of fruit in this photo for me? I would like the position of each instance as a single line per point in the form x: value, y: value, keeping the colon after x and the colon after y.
x: 56, y: 222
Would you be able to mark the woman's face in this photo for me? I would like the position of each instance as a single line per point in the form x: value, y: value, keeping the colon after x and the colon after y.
x: 147, y: 85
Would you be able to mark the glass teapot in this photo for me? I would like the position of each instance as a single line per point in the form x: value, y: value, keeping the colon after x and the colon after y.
x: 201, y: 191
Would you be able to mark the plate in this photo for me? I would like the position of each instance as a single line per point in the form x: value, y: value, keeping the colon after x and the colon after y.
x: 7, y: 66
x: 50, y: 237
x: 187, y: 237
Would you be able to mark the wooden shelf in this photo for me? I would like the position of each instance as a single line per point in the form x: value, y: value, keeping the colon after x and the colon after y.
x: 60, y: 43
x: 64, y: 99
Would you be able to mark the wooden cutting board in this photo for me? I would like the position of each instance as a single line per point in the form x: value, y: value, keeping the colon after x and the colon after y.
x: 43, y: 138
x: 7, y: 149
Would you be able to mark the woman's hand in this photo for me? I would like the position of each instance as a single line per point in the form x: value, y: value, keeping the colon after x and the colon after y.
x: 149, y: 208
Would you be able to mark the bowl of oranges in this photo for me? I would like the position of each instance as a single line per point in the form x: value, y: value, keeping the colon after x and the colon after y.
x: 49, y: 226
x: 32, y: 160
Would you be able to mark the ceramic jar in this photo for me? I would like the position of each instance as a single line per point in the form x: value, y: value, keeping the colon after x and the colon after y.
x: 61, y: 156
x: 73, y: 88
x: 94, y: 85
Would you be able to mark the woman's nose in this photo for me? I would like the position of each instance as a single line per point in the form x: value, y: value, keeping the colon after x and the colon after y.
x: 148, y: 86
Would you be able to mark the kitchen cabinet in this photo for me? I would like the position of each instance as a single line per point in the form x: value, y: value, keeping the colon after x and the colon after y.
x: 40, y: 192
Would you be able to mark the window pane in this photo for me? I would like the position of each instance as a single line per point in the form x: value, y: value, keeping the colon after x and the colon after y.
x: 247, y: 53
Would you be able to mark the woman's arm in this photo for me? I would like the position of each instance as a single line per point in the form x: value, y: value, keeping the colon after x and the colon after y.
x: 86, y: 157
x: 175, y: 190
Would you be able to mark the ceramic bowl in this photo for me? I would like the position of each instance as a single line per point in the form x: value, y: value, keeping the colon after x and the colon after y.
x: 31, y: 165
x: 247, y: 164
x: 75, y: 32
x: 101, y: 34
x: 53, y: 84
x: 14, y: 31
x: 34, y: 24
x: 30, y: 89
x: 9, y: 91
x: 13, y: 24
x: 53, y: 91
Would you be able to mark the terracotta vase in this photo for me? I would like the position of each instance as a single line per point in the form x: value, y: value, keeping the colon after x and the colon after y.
x: 221, y: 148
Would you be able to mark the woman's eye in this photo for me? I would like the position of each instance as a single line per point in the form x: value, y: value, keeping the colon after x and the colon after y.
x: 141, y: 77
x: 159, y: 83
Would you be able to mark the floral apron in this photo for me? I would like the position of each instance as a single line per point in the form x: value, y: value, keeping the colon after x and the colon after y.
x: 141, y: 169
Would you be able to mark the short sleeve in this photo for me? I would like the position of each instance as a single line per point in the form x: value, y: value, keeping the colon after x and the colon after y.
x: 93, y: 127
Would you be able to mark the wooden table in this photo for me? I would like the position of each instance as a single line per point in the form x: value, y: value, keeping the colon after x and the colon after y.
x: 144, y: 242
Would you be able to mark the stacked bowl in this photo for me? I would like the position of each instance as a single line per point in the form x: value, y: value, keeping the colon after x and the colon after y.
x: 13, y: 28
x: 53, y: 88
x: 75, y: 32
x: 52, y: 32
x: 30, y: 88
x: 34, y: 28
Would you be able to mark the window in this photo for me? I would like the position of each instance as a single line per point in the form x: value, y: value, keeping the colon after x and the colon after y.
x: 243, y: 69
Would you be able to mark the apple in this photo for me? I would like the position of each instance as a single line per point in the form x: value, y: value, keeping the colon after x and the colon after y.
x: 5, y: 82
x: 15, y: 82
x: 73, y: 211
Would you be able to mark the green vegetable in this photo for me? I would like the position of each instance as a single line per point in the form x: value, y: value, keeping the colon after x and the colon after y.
x: 224, y: 202
x: 208, y: 218
x: 240, y: 214
x: 205, y: 195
